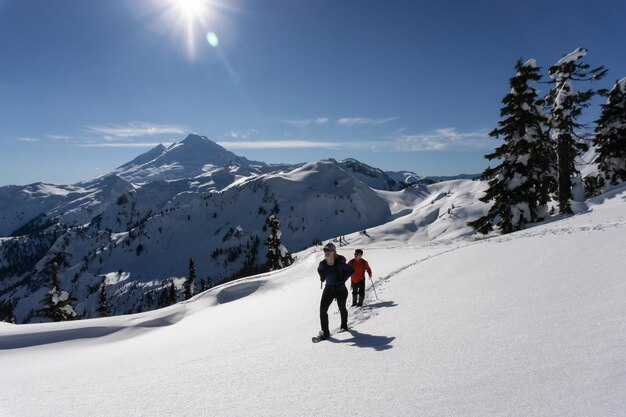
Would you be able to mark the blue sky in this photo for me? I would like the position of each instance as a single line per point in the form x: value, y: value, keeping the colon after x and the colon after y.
x: 402, y: 85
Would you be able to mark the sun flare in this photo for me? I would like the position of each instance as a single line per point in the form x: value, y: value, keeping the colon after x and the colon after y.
x: 191, y: 18
x: 191, y: 8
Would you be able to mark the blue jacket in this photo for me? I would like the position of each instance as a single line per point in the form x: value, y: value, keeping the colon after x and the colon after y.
x: 335, y: 276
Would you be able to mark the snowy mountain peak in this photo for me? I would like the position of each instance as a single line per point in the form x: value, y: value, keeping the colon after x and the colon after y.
x: 193, y: 156
x: 151, y: 155
x: 197, y: 139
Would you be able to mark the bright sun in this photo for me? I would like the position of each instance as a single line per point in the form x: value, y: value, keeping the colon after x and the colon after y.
x: 191, y: 16
x: 192, y: 8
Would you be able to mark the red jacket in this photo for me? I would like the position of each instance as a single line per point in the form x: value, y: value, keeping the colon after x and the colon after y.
x: 360, y: 267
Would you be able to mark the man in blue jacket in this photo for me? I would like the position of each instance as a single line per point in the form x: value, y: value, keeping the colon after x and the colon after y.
x: 334, y: 271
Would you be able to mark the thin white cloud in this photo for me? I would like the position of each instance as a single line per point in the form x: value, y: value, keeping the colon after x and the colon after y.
x: 444, y: 139
x: 130, y: 130
x: 59, y: 137
x: 278, y: 144
x: 124, y: 145
x: 360, y: 121
x: 307, y: 122
x: 27, y: 139
x: 298, y: 123
x: 247, y: 134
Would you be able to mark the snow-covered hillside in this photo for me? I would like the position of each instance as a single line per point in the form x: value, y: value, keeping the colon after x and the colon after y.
x: 32, y: 208
x: 528, y: 324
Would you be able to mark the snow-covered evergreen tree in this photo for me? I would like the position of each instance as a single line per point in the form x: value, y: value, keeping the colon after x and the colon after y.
x: 188, y: 285
x: 56, y: 303
x: 610, y: 139
x: 566, y: 106
x: 521, y: 184
x: 103, y: 303
x: 171, y: 294
x: 277, y: 255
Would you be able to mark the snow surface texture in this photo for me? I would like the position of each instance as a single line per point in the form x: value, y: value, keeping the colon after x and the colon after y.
x: 528, y: 324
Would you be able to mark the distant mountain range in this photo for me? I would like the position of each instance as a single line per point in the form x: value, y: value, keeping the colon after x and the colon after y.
x: 136, y: 228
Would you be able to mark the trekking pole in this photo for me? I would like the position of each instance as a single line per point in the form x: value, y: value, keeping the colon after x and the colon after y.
x: 374, y: 287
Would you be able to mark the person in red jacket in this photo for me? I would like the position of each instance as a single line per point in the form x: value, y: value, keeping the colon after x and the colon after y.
x: 360, y: 266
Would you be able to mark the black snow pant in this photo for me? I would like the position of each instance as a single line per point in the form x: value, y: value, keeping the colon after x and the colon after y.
x: 358, y: 290
x: 330, y: 294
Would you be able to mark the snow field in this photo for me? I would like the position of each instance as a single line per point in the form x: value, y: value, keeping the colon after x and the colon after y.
x: 527, y: 324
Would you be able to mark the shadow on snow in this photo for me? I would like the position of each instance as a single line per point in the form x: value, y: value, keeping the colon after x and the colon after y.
x: 382, y: 304
x: 364, y: 340
x: 238, y: 291
x: 17, y: 341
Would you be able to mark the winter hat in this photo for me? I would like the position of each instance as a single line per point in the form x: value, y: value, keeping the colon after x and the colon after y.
x: 329, y: 247
x: 358, y: 251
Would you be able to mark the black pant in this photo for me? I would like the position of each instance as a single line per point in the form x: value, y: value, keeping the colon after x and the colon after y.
x: 358, y: 289
x: 329, y: 294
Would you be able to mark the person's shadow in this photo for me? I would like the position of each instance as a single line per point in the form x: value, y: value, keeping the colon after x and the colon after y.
x: 381, y: 304
x: 364, y: 340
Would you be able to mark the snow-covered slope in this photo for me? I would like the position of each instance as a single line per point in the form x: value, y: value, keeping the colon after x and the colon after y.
x: 528, y: 324
x: 34, y: 207
x: 428, y: 213
x: 373, y: 177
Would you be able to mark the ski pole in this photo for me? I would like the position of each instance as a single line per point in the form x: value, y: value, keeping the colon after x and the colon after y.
x: 374, y: 287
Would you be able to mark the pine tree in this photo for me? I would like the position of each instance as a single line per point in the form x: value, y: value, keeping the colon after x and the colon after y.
x: 6, y: 311
x: 103, y: 304
x: 566, y: 106
x: 521, y: 184
x: 610, y: 139
x: 277, y: 255
x: 56, y: 303
x: 172, y: 298
x: 188, y: 285
x: 203, y: 286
